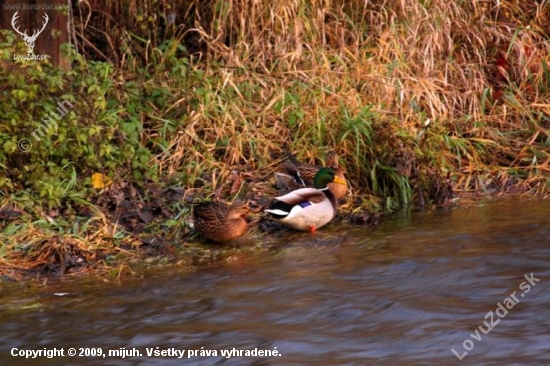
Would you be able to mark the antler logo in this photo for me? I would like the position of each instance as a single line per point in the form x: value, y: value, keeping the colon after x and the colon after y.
x: 29, y: 40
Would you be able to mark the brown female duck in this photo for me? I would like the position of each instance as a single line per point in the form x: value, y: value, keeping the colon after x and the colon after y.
x: 219, y: 221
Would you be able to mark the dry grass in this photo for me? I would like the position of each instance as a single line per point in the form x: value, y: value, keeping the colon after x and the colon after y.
x: 406, y: 92
x: 47, y: 246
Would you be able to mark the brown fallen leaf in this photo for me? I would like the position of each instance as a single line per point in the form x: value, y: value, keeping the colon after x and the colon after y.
x: 237, y: 182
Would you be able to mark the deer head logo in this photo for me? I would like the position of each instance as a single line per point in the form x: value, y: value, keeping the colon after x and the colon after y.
x: 29, y: 40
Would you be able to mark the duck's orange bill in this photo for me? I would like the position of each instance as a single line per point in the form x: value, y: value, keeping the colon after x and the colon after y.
x: 338, y: 180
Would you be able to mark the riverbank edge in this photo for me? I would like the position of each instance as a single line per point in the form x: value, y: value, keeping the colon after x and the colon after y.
x: 193, y: 252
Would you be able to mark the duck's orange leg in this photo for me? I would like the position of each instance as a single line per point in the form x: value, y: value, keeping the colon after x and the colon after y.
x: 312, y: 229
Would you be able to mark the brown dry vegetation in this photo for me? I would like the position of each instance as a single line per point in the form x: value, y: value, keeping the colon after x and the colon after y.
x: 457, y: 87
x: 416, y: 97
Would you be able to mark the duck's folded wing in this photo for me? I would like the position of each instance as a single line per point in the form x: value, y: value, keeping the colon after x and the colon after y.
x: 294, y: 173
x: 212, y: 211
x: 300, y: 196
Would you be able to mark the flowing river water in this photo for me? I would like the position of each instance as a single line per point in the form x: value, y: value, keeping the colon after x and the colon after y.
x: 406, y: 292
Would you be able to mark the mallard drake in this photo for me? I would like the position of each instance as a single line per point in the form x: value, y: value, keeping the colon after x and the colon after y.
x: 305, y: 174
x: 308, y: 208
x: 219, y: 221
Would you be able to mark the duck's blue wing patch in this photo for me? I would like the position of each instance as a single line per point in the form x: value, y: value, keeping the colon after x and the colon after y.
x: 305, y: 204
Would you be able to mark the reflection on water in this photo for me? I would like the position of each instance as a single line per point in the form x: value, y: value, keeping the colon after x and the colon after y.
x: 405, y: 292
